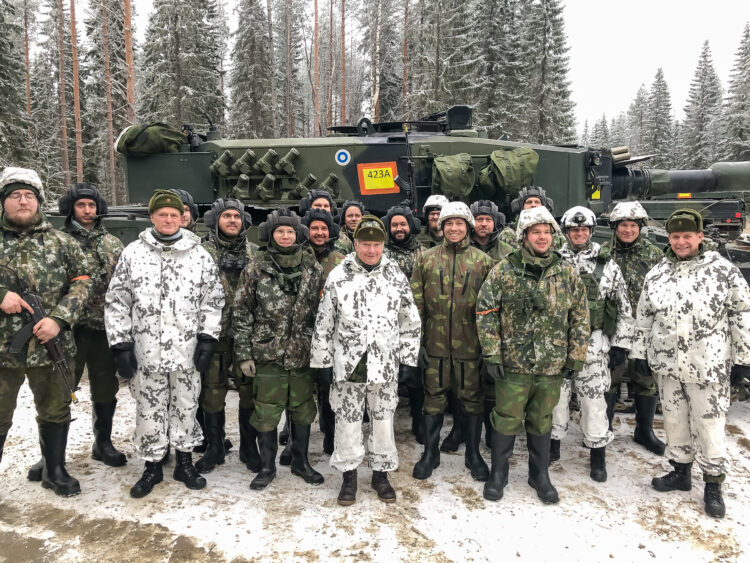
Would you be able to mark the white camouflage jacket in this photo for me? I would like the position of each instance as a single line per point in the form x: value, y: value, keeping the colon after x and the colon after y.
x: 693, y: 319
x: 372, y: 312
x: 612, y: 287
x: 161, y: 297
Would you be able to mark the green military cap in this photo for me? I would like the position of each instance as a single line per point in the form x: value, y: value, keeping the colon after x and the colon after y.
x: 165, y: 198
x: 370, y: 228
x: 685, y: 221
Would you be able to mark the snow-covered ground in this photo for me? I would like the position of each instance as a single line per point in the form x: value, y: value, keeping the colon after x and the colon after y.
x: 442, y: 519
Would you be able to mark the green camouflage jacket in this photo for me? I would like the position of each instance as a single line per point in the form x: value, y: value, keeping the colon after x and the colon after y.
x: 429, y: 240
x: 51, y: 264
x: 635, y: 261
x: 328, y: 259
x: 231, y: 257
x: 344, y: 244
x: 495, y: 248
x: 269, y: 325
x: 102, y: 252
x: 445, y: 283
x: 533, y: 320
x: 405, y: 256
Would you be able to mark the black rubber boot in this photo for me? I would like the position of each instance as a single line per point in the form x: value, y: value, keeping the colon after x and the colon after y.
x: 300, y: 440
x: 539, y: 447
x: 554, y: 450
x: 53, y: 438
x: 348, y: 492
x: 416, y: 403
x: 268, y: 448
x: 214, y: 433
x: 200, y: 418
x: 103, y: 450
x: 2, y: 445
x: 248, y: 441
x: 645, y: 407
x: 383, y: 487
x: 35, y: 471
x: 488, y: 407
x: 456, y: 436
x: 502, y: 449
x: 598, y: 465
x: 285, y: 458
x: 151, y: 476
x: 327, y: 418
x: 431, y: 457
x: 679, y: 479
x: 472, y: 458
x: 712, y: 501
x: 284, y: 434
x: 610, y: 399
x: 185, y: 472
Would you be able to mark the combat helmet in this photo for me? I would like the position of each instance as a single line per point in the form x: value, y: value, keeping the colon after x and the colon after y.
x: 12, y: 176
x: 83, y: 190
x: 211, y: 217
x: 628, y: 211
x: 325, y: 217
x: 578, y: 216
x: 414, y: 223
x: 531, y: 217
x: 456, y: 209
x: 487, y: 207
x: 435, y: 200
x: 306, y: 202
x: 282, y: 217
x: 516, y: 206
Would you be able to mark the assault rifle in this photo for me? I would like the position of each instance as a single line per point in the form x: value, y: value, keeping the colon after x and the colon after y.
x: 54, y: 346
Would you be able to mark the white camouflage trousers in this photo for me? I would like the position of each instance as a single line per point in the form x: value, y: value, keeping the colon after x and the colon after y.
x: 590, y: 385
x: 695, y: 420
x: 348, y: 403
x: 166, y: 405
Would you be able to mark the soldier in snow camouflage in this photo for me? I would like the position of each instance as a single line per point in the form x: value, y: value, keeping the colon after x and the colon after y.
x: 693, y: 332
x: 273, y: 320
x: 163, y: 319
x: 36, y: 258
x: 635, y: 255
x: 611, y: 335
x: 445, y: 284
x: 533, y: 325
x: 227, y: 224
x: 366, y: 339
x: 83, y: 206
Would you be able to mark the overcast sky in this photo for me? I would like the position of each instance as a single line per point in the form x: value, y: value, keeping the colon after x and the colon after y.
x: 617, y: 46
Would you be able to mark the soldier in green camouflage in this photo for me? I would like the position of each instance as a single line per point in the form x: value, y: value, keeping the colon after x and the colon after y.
x: 323, y: 233
x: 529, y: 198
x: 272, y: 322
x: 83, y: 206
x: 432, y: 234
x: 351, y: 212
x: 533, y: 324
x: 36, y: 258
x: 227, y: 224
x: 635, y: 255
x: 445, y: 284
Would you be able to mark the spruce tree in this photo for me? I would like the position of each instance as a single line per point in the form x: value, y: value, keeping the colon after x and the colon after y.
x: 737, y: 105
x: 14, y: 138
x: 637, y: 121
x: 658, y: 123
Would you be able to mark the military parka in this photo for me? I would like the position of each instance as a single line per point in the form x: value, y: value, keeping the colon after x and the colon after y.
x: 51, y: 264
x: 445, y: 284
x: 693, y: 318
x: 405, y: 256
x: 635, y: 260
x: 269, y: 325
x: 532, y: 319
x: 495, y: 247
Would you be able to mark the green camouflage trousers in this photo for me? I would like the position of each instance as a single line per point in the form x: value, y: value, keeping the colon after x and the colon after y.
x: 276, y: 389
x: 51, y: 397
x: 525, y: 397
x: 92, y: 351
x: 460, y: 376
x: 215, y: 382
x: 645, y: 386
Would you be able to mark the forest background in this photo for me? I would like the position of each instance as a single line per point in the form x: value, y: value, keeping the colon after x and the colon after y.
x: 74, y: 74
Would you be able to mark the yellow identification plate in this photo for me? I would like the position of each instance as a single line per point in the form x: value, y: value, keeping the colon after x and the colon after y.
x: 684, y: 196
x: 377, y: 178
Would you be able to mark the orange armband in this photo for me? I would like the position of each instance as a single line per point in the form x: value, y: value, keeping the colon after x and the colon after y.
x: 78, y: 278
x: 487, y: 312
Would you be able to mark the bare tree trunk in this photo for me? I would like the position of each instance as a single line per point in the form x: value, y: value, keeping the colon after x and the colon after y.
x: 174, y: 19
x: 129, y: 64
x: 289, y: 94
x: 376, y: 94
x: 28, y: 68
x: 76, y: 94
x: 406, y: 56
x: 61, y: 85
x: 330, y: 64
x: 113, y: 185
x: 316, y: 63
x: 343, y: 62
x: 274, y: 106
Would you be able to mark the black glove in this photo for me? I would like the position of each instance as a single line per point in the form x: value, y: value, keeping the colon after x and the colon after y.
x: 124, y: 357
x: 642, y: 368
x: 617, y: 356
x: 325, y: 376
x: 423, y: 359
x: 204, y: 351
x: 492, y: 372
x: 408, y: 375
x: 568, y: 373
x: 738, y: 374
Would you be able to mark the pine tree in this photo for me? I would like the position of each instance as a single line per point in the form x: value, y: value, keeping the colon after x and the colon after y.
x: 619, y: 130
x: 702, y: 114
x: 586, y: 135
x: 14, y: 146
x: 658, y: 123
x: 637, y: 121
x: 600, y: 134
x: 737, y: 105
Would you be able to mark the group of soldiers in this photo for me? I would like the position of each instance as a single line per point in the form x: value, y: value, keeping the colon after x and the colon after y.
x: 497, y: 324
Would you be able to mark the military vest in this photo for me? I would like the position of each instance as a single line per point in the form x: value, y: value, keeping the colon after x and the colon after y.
x: 602, y: 313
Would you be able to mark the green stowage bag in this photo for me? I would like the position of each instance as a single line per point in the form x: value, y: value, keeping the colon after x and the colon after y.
x: 149, y: 138
x: 453, y: 175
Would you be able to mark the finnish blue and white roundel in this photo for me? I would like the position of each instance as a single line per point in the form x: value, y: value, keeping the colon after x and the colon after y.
x: 343, y: 157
